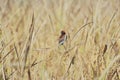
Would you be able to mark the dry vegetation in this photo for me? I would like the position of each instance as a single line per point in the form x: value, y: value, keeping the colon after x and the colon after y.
x: 29, y: 32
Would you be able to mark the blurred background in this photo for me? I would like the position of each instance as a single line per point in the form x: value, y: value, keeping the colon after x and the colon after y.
x: 29, y: 32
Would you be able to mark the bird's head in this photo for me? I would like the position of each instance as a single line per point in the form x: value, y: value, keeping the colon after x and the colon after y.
x: 63, y: 32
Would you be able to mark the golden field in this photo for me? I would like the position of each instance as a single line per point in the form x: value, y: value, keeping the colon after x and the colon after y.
x: 29, y: 32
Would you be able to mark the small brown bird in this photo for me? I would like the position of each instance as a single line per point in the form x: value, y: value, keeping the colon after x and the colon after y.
x: 62, y: 38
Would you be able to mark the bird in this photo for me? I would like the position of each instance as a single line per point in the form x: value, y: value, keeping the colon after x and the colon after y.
x: 62, y: 38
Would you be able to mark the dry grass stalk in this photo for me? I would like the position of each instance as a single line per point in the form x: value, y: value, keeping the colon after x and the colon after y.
x: 3, y: 72
x: 29, y: 74
x: 28, y: 45
x: 80, y: 30
x: 6, y: 55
